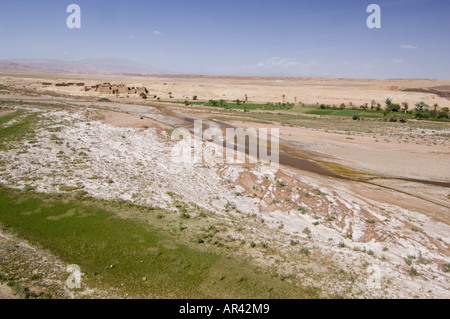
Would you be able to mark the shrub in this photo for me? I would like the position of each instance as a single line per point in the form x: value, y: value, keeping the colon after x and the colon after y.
x: 409, y: 260
x: 393, y: 119
x: 143, y: 95
x: 447, y: 267
x: 413, y: 271
x: 355, y: 117
x: 294, y: 242
x: 280, y: 183
x: 185, y: 215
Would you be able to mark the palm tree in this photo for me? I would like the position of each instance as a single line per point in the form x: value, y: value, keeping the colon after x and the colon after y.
x: 421, y: 105
x: 405, y: 107
x: 388, y: 102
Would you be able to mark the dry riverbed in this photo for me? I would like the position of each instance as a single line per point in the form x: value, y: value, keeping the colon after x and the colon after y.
x: 309, y: 228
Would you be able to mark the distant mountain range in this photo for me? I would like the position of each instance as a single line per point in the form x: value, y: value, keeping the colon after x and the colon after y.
x: 90, y: 66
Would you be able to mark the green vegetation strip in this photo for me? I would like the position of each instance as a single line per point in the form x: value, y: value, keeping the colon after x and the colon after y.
x: 9, y: 117
x: 18, y: 130
x: 83, y: 233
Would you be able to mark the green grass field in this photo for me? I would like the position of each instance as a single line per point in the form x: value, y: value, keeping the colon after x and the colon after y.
x: 313, y: 110
x: 87, y: 234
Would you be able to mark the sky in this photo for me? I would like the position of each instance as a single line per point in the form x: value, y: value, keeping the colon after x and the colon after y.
x: 323, y: 38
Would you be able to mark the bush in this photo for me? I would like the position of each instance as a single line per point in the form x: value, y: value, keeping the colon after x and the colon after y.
x: 143, y: 95
x: 413, y: 271
x: 447, y: 267
x: 185, y: 215
x: 393, y: 119
x: 355, y: 117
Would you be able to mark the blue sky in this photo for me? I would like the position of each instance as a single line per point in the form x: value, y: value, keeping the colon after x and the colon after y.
x: 246, y: 37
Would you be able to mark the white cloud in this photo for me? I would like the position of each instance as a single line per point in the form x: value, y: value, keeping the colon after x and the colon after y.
x: 408, y: 46
x: 397, y: 61
x: 156, y: 32
x: 277, y: 62
x: 274, y: 66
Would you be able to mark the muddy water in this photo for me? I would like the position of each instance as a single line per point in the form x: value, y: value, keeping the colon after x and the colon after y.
x: 287, y: 155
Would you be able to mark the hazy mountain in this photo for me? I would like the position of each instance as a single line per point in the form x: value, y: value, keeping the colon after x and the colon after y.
x: 122, y: 66
x: 91, y: 66
x: 9, y: 67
